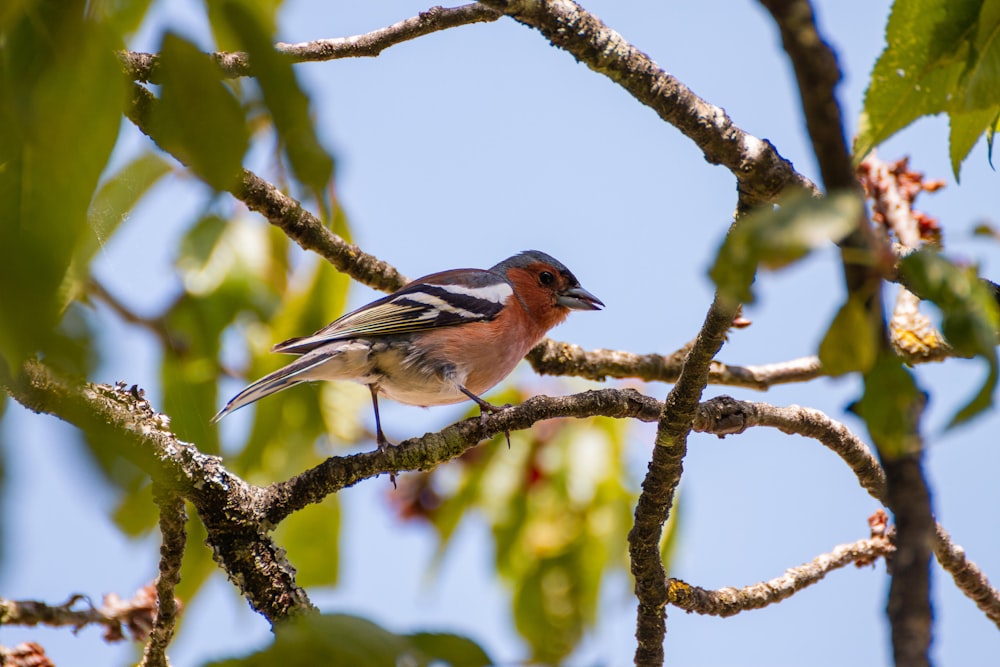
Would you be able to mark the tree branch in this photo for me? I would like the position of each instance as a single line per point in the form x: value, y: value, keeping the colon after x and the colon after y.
x: 145, y: 66
x: 173, y: 516
x: 432, y: 449
x: 558, y: 358
x: 724, y: 415
x: 154, y: 325
x: 762, y: 174
x: 908, y: 495
x: 967, y: 575
x: 122, y: 419
x: 660, y: 484
x: 287, y: 214
x: 32, y: 613
x: 731, y: 601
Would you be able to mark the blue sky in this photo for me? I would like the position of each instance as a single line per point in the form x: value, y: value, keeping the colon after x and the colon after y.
x: 461, y: 148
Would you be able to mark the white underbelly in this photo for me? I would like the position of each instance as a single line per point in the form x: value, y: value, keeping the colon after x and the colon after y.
x: 391, y: 369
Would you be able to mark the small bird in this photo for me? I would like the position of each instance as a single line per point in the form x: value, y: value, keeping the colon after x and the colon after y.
x: 441, y: 339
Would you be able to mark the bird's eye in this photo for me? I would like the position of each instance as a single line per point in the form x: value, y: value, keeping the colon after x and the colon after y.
x: 546, y: 278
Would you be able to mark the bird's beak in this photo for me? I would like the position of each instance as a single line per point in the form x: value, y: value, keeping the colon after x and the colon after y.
x: 577, y: 298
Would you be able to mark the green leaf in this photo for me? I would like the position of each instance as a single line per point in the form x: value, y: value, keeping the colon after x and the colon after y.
x: 225, y: 38
x: 851, y: 342
x: 775, y: 238
x: 109, y: 208
x: 970, y: 317
x: 451, y: 649
x: 927, y: 48
x: 891, y: 406
x: 124, y: 16
x: 311, y: 538
x: 981, y: 82
x: 339, y: 639
x: 990, y: 133
x: 198, y: 119
x: 61, y: 96
x: 288, y: 104
x: 966, y: 128
x: 286, y: 427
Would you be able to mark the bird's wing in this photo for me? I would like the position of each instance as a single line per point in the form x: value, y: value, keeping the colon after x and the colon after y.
x: 439, y: 300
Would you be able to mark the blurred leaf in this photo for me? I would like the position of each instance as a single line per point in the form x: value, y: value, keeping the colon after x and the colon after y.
x: 891, y: 407
x: 196, y: 249
x: 225, y: 38
x: 286, y: 427
x: 288, y: 104
x: 927, y: 47
x: 197, y: 565
x: 560, y: 507
x: 110, y: 207
x: 222, y: 265
x: 851, y: 342
x: 123, y: 15
x: 966, y: 129
x: 188, y: 375
x: 970, y: 318
x: 311, y: 537
x: 61, y: 96
x: 452, y: 650
x: 774, y: 238
x: 136, y: 513
x: 339, y: 639
x: 198, y: 119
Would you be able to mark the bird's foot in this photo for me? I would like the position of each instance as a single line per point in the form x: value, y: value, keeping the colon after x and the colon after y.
x: 486, y: 409
x: 383, y: 446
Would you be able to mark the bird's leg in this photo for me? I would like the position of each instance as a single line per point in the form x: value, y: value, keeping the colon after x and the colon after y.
x: 486, y: 407
x: 380, y: 439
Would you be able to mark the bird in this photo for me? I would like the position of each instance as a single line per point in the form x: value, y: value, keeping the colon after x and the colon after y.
x: 441, y: 339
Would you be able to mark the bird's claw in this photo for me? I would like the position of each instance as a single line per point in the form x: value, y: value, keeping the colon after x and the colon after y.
x: 487, y: 409
x: 383, y: 446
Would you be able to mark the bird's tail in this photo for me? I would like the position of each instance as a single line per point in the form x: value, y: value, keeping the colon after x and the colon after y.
x: 282, y: 378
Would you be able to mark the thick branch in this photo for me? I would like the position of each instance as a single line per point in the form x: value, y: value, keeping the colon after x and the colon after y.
x: 817, y: 74
x: 660, y: 484
x: 908, y: 495
x: 123, y: 419
x: 731, y: 601
x: 761, y: 172
x: 145, y: 66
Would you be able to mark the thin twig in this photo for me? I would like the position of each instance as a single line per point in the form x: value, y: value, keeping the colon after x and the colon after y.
x: 731, y: 601
x: 552, y: 357
x: 724, y: 415
x: 145, y: 66
x: 967, y: 575
x: 155, y: 325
